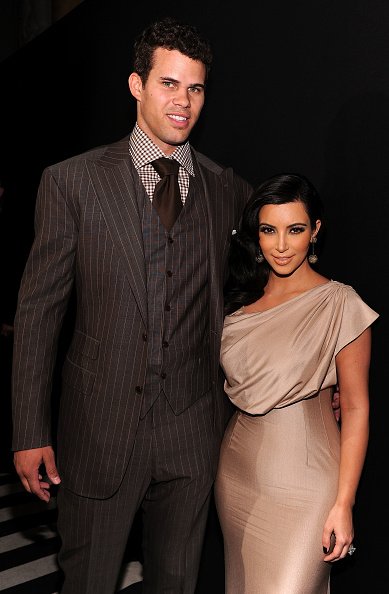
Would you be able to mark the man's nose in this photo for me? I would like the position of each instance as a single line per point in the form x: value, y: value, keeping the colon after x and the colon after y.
x: 182, y: 97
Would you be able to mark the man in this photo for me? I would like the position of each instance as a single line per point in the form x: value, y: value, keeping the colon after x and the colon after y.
x: 142, y: 409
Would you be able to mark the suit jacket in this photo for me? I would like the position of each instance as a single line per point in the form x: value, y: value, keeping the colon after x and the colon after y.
x: 88, y: 234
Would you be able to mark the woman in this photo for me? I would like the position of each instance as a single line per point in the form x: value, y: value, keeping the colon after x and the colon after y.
x: 288, y: 475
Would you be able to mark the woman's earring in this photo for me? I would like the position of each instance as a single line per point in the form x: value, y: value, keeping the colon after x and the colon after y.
x: 312, y: 258
x: 259, y: 258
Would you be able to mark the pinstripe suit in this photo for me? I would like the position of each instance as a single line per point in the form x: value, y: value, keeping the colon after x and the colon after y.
x: 89, y: 233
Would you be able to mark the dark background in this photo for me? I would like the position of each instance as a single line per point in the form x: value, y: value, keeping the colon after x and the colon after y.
x: 299, y: 87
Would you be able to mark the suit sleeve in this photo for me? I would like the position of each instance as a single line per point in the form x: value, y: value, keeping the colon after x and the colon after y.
x: 42, y: 302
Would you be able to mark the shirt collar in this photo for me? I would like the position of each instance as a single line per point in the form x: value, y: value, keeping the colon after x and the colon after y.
x: 143, y: 151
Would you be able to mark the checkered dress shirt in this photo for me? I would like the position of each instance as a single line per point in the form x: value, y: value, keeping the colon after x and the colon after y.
x: 143, y: 151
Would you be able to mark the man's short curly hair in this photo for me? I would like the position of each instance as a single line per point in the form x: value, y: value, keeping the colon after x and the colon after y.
x: 170, y: 34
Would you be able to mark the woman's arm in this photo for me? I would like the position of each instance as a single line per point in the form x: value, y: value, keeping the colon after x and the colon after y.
x: 352, y: 364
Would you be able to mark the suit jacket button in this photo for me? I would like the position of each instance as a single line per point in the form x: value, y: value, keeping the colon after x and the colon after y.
x: 163, y: 375
x: 144, y: 336
x: 139, y: 389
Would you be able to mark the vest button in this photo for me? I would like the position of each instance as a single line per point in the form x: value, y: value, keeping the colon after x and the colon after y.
x: 144, y: 336
x: 170, y: 239
x: 165, y: 344
x: 167, y: 307
x: 163, y: 375
x: 138, y: 389
x: 169, y: 273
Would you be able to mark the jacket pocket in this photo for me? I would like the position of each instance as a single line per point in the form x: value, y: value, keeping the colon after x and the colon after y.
x: 78, y: 377
x: 83, y: 345
x: 79, y: 370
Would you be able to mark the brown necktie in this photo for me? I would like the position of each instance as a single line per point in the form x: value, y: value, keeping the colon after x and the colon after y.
x: 167, y: 197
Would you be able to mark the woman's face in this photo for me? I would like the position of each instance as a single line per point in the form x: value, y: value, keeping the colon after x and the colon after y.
x: 285, y: 232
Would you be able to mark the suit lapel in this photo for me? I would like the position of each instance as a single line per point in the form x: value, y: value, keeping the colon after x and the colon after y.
x: 116, y: 181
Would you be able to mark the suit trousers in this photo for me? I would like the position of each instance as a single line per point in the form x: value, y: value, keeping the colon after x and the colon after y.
x: 170, y: 475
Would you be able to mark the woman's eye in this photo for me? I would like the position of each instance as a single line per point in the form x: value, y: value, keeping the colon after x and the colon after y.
x: 265, y: 230
x: 297, y: 230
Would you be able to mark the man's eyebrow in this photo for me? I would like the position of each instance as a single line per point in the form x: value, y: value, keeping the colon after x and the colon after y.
x: 174, y: 80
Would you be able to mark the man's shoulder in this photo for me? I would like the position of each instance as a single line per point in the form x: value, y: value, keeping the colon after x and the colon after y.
x: 215, y: 167
x: 208, y: 163
x: 117, y: 149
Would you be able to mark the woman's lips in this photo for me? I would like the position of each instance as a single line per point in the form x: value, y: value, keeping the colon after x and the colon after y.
x: 282, y: 260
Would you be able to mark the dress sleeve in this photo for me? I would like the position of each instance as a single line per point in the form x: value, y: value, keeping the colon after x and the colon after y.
x: 357, y: 316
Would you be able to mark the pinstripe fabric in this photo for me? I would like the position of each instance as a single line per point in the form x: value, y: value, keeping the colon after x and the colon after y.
x: 175, y: 490
x: 88, y: 232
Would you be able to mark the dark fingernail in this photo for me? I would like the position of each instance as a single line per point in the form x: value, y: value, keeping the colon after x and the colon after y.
x: 325, y: 550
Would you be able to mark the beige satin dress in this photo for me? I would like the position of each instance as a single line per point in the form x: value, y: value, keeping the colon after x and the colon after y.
x: 278, y: 469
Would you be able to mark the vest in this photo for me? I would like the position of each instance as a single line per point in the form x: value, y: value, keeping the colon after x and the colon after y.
x: 177, y: 301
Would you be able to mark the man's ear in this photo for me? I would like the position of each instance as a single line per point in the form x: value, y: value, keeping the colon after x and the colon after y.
x: 135, y: 85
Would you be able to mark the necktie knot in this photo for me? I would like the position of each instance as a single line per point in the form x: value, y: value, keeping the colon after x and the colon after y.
x: 164, y: 166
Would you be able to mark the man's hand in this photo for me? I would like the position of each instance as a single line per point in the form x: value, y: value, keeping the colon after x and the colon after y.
x: 27, y: 464
x: 336, y: 403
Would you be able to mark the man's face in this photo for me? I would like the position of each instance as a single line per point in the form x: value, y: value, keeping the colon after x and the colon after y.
x: 170, y: 102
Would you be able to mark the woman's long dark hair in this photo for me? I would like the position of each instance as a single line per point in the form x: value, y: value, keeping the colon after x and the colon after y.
x: 247, y: 278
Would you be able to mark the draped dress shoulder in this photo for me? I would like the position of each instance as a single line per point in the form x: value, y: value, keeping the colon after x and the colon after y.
x: 278, y: 469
